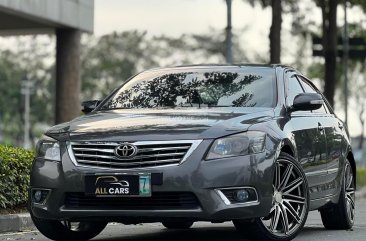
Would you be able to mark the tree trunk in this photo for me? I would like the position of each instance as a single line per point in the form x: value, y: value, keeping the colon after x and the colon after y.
x: 362, y: 121
x: 329, y: 15
x: 275, y: 32
x: 360, y: 143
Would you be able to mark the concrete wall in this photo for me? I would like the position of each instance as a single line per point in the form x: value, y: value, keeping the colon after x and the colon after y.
x: 77, y: 14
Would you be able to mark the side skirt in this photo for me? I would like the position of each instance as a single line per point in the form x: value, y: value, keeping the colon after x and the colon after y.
x: 319, y: 203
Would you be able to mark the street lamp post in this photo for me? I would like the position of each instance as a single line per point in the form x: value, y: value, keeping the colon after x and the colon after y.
x: 345, y: 62
x: 27, y: 89
x: 229, y: 42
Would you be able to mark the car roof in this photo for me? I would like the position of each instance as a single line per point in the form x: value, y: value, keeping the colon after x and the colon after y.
x: 204, y: 66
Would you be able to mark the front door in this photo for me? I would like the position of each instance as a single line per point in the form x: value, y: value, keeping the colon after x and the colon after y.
x: 310, y: 140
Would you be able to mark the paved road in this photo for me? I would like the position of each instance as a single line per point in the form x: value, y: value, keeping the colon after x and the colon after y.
x: 214, y: 232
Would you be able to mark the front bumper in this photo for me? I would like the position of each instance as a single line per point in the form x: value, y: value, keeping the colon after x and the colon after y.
x: 201, y: 178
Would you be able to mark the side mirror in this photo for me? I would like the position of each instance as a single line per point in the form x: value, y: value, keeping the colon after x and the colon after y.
x: 89, y: 105
x: 307, y: 101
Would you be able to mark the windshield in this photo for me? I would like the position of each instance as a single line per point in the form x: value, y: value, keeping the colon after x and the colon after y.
x: 244, y: 87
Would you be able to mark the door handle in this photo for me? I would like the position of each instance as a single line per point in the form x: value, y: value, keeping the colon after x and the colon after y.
x: 340, y: 125
x: 320, y: 127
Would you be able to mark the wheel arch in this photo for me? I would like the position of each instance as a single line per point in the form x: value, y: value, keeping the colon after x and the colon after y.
x: 288, y: 148
x: 352, y: 161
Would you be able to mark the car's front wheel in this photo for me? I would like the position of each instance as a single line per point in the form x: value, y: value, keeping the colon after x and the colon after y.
x: 290, y: 205
x: 68, y: 231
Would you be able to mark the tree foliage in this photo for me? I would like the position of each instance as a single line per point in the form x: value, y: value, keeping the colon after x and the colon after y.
x: 32, y: 60
x: 359, y: 3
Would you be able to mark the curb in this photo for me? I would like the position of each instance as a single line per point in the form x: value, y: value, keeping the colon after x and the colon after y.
x: 16, y: 223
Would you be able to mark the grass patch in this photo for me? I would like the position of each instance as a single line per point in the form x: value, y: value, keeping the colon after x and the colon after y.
x: 361, y: 177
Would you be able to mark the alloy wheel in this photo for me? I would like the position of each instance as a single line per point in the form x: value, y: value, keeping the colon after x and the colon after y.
x: 349, y: 192
x: 289, y: 204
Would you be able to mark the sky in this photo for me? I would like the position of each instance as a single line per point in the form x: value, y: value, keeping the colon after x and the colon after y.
x: 175, y: 17
x: 172, y: 17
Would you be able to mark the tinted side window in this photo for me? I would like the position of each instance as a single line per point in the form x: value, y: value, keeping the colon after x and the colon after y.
x: 309, y: 89
x: 294, y: 88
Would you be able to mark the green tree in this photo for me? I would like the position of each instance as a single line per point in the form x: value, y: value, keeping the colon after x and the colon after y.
x: 329, y: 71
x: 31, y: 59
x: 278, y: 7
x: 359, y: 3
x: 330, y: 33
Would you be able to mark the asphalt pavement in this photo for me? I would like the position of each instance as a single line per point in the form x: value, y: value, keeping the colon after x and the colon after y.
x: 313, y: 230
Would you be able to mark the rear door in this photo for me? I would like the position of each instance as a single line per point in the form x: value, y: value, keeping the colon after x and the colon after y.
x: 335, y: 141
x: 310, y: 140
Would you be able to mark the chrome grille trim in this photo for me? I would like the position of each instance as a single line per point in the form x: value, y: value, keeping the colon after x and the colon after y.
x: 101, y: 154
x: 128, y: 164
x: 94, y: 149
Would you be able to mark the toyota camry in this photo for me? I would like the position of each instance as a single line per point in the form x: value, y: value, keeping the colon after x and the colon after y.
x: 257, y: 145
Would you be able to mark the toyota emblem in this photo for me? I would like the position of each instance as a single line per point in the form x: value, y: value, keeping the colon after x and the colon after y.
x: 125, y: 151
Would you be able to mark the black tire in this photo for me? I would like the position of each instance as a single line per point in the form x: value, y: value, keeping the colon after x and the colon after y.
x: 178, y: 225
x: 256, y: 229
x: 337, y: 216
x: 57, y: 230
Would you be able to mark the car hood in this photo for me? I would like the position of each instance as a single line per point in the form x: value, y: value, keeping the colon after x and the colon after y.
x: 163, y: 124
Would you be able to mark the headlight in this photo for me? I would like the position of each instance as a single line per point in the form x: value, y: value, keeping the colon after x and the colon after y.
x: 49, y: 149
x: 237, y: 145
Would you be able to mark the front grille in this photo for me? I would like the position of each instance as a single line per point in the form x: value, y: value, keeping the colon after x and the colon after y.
x: 149, y: 154
x: 158, y: 201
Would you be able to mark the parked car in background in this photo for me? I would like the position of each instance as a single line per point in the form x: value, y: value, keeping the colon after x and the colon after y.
x: 257, y: 145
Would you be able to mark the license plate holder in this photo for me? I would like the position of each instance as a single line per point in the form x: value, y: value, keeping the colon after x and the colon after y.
x: 118, y: 185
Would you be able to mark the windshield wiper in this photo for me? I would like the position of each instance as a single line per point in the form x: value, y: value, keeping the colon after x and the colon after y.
x: 209, y: 105
x: 115, y: 108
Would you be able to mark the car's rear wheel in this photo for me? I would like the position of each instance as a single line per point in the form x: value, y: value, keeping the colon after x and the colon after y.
x: 68, y: 231
x: 178, y: 225
x: 342, y: 214
x: 290, y: 205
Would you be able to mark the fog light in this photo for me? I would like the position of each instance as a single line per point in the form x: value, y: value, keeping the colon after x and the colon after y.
x: 241, y: 195
x: 238, y: 195
x: 37, y: 196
